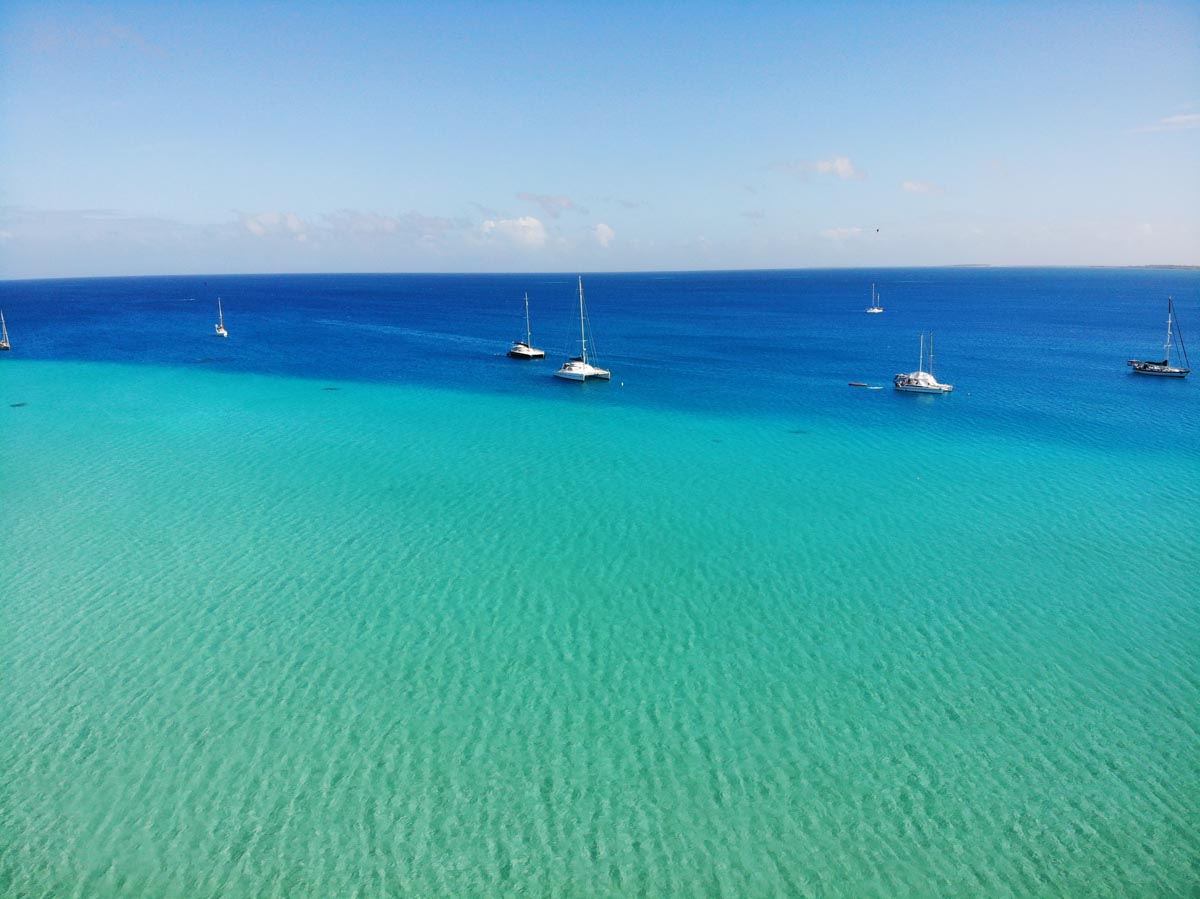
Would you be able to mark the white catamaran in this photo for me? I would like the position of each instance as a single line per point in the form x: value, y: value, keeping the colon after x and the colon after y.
x: 221, y: 332
x: 921, y: 381
x: 4, y: 344
x: 577, y: 368
x: 524, y: 349
x: 1165, y: 369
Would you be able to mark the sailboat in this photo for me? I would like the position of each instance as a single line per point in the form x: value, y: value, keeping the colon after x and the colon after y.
x: 875, y: 307
x: 221, y: 332
x: 4, y: 344
x: 524, y: 349
x: 1165, y: 369
x: 577, y: 368
x: 921, y: 381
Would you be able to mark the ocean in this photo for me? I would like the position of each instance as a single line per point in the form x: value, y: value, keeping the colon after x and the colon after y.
x: 352, y: 605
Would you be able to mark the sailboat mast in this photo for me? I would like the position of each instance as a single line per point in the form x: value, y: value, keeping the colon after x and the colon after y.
x: 921, y: 354
x: 1167, y: 345
x: 582, y: 332
x: 931, y: 354
x: 528, y: 335
x: 3, y: 328
x: 220, y: 313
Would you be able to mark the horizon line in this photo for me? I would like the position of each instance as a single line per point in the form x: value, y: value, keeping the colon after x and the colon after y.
x: 810, y: 268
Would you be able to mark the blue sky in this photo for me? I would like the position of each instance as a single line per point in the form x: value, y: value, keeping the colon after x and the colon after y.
x: 148, y: 138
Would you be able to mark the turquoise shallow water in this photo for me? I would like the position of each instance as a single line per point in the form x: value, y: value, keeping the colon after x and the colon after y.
x: 268, y: 639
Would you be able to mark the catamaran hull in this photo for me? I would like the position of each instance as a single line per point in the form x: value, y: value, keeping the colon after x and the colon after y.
x: 579, y: 370
x: 599, y: 374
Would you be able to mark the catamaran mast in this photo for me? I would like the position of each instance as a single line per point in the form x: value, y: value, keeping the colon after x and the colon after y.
x: 931, y: 354
x: 582, y: 333
x: 528, y: 335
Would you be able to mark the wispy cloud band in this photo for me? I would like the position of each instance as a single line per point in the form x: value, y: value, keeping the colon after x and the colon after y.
x: 1182, y: 122
x: 553, y: 206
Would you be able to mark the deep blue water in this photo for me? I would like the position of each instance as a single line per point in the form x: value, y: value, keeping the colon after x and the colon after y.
x: 1034, y: 351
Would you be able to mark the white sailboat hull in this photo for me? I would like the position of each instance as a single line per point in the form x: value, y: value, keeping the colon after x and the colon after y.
x: 1160, y: 371
x: 524, y: 351
x: 920, y: 382
x: 918, y: 388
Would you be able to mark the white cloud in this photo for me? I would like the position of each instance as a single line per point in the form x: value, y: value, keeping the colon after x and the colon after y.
x: 840, y: 234
x: 350, y: 227
x: 604, y: 234
x: 840, y: 166
x: 526, y: 231
x: 255, y: 224
x: 276, y: 224
x: 921, y: 187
